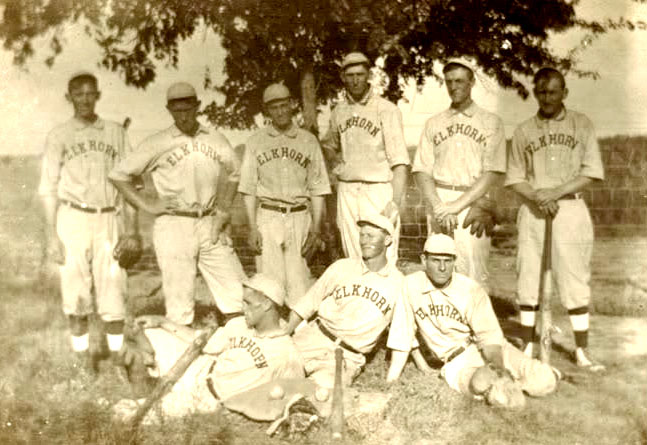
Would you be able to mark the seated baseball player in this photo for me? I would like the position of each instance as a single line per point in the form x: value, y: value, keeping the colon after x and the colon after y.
x: 454, y: 317
x: 349, y: 306
x: 248, y: 351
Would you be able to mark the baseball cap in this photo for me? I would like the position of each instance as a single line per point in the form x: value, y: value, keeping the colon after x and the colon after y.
x: 267, y: 286
x: 180, y: 90
x: 462, y: 61
x: 82, y: 73
x: 440, y: 244
x: 377, y: 220
x: 354, y: 58
x: 274, y: 92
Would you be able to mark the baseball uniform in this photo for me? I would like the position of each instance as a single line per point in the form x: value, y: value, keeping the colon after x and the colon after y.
x: 455, y: 322
x: 235, y: 359
x: 187, y: 169
x: 547, y: 153
x: 75, y: 167
x: 369, y: 136
x: 353, y: 305
x: 455, y: 149
x: 283, y: 170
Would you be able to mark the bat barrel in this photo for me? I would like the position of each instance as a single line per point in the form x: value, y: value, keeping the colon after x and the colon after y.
x: 337, y: 410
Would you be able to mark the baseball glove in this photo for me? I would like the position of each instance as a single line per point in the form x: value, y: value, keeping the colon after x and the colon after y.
x: 498, y: 388
x: 128, y: 250
x: 481, y: 217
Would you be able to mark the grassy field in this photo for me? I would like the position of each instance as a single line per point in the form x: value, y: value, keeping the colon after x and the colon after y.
x: 45, y: 400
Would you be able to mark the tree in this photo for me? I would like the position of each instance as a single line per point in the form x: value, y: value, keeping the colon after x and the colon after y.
x: 299, y: 41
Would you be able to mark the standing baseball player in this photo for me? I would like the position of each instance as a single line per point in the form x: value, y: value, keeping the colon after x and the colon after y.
x: 245, y: 353
x: 282, y: 172
x: 85, y: 216
x: 554, y: 156
x: 461, y: 155
x: 353, y: 301
x: 186, y: 161
x: 365, y: 149
x: 455, y: 319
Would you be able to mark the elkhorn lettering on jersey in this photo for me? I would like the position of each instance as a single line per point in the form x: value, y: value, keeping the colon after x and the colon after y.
x: 363, y: 123
x: 439, y: 310
x: 73, y: 150
x: 565, y: 140
x: 359, y: 290
x: 250, y: 346
x: 283, y: 153
x: 459, y: 129
x: 179, y: 153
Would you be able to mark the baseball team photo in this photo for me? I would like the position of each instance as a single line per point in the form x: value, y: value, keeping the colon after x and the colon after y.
x: 370, y: 222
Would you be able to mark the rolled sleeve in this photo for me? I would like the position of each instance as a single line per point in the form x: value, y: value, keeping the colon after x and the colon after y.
x: 494, y: 155
x: 249, y: 171
x: 308, y: 305
x: 423, y: 160
x: 483, y: 321
x: 403, y: 326
x: 318, y: 182
x: 516, y: 171
x: 51, y: 166
x: 394, y: 144
x: 591, y: 160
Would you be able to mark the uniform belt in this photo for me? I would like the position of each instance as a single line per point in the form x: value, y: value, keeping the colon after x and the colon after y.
x: 570, y: 196
x: 86, y: 208
x: 455, y: 354
x: 335, y: 339
x: 210, y: 386
x: 192, y: 213
x: 281, y: 209
x: 359, y: 181
x: 458, y: 188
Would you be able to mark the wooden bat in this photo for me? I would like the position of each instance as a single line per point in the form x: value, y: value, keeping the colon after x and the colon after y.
x: 337, y: 409
x: 545, y: 293
x: 166, y: 382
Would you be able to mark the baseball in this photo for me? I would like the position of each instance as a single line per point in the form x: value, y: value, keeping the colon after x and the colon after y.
x: 277, y: 392
x: 322, y: 394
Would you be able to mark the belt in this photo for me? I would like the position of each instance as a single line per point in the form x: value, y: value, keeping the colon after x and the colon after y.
x: 86, y: 208
x: 281, y: 209
x: 335, y: 339
x: 210, y: 386
x: 458, y: 188
x: 359, y: 181
x: 455, y: 354
x: 192, y: 213
x: 570, y: 196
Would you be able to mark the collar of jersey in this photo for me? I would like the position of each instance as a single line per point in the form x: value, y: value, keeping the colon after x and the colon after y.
x: 543, y: 121
x: 363, y: 101
x: 470, y: 111
x: 450, y: 291
x: 176, y: 132
x: 291, y: 132
x: 79, y: 125
x: 384, y: 272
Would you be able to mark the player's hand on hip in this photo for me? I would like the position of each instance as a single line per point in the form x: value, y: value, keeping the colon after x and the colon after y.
x: 219, y: 234
x: 255, y: 240
x: 56, y: 250
x: 162, y: 206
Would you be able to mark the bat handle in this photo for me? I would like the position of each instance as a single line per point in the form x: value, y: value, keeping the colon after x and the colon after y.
x: 337, y: 411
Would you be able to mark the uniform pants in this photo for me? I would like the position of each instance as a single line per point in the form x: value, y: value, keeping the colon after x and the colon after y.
x: 571, y: 253
x: 183, y: 246
x: 89, y: 240
x: 536, y: 378
x: 284, y: 234
x: 355, y: 199
x: 472, y: 252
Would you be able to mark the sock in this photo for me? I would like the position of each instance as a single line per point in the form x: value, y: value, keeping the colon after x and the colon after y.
x: 80, y: 343
x: 115, y: 341
x: 580, y: 322
x: 528, y: 317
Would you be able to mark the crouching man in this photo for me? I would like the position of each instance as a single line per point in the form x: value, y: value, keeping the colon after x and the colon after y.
x: 247, y: 352
x: 454, y: 317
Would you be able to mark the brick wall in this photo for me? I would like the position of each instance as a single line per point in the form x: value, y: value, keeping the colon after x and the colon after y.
x: 618, y: 205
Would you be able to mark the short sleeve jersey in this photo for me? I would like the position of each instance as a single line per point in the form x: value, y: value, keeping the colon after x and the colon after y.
x: 549, y: 152
x: 447, y: 318
x: 183, y: 167
x: 283, y: 167
x: 353, y: 302
x: 457, y: 147
x: 245, y: 359
x: 78, y: 158
x: 370, y: 137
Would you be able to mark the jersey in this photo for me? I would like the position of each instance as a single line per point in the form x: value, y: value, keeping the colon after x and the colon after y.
x: 283, y: 167
x: 549, y: 152
x: 447, y: 319
x: 78, y: 158
x: 369, y: 136
x: 457, y: 147
x: 354, y: 303
x: 183, y: 167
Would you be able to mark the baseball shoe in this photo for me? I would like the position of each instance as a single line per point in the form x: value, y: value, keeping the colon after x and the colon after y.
x: 584, y: 362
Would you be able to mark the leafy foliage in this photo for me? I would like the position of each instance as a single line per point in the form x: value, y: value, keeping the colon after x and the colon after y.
x: 268, y: 40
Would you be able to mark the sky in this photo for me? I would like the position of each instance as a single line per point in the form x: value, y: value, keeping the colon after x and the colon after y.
x: 32, y: 99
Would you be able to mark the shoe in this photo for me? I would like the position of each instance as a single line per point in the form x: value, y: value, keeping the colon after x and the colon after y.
x: 584, y: 362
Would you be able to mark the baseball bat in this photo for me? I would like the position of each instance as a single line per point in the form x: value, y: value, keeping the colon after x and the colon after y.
x: 166, y: 382
x: 545, y: 293
x: 337, y: 409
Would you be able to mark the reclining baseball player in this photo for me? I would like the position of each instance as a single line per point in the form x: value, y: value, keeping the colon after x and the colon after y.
x: 455, y: 319
x: 248, y: 351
